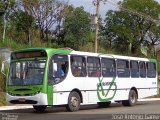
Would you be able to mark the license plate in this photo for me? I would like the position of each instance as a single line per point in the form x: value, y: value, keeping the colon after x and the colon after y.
x: 22, y: 99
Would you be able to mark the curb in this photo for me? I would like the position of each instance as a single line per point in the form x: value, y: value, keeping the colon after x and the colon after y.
x: 15, y: 107
x: 149, y: 99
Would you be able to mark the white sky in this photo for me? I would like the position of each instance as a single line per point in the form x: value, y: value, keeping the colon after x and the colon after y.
x: 88, y: 6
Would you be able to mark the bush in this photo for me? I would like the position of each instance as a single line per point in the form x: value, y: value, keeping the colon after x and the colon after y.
x: 2, y: 98
x: 2, y: 88
x: 2, y: 80
x: 2, y: 83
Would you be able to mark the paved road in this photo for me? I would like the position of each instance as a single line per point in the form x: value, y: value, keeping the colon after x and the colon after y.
x: 89, y: 112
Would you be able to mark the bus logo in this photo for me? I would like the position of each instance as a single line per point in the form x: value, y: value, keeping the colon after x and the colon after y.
x: 103, y: 93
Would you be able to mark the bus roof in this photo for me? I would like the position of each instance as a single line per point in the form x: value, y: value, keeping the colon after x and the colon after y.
x: 69, y: 51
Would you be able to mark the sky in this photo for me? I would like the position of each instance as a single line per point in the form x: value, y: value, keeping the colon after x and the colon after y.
x: 88, y: 5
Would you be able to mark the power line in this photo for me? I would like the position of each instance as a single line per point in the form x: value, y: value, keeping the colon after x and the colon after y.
x: 136, y: 13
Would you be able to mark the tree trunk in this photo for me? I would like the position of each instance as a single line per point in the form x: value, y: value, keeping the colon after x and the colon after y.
x: 30, y: 37
x: 42, y: 34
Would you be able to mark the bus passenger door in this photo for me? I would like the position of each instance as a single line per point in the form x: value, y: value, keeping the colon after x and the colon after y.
x: 50, y: 94
x: 58, y: 69
x: 51, y: 82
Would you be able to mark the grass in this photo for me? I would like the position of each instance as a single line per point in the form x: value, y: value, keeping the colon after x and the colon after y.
x: 2, y: 99
x: 2, y: 88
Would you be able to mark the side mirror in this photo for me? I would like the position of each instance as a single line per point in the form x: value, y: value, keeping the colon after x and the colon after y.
x: 2, y: 69
x: 4, y: 66
x: 54, y: 66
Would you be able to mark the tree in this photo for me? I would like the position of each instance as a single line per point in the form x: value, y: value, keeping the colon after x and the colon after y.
x: 5, y: 10
x: 45, y: 13
x: 128, y: 27
x: 153, y: 39
x: 76, y: 29
x: 64, y: 12
x: 23, y: 22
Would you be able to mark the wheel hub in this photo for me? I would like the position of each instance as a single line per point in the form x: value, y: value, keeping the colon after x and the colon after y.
x: 133, y: 99
x: 74, y: 101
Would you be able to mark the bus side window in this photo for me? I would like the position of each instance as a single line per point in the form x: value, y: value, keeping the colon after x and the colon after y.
x: 108, y: 67
x: 142, y: 67
x: 58, y: 68
x: 134, y: 69
x: 123, y: 68
x: 151, y: 70
x: 78, y: 66
x: 94, y: 67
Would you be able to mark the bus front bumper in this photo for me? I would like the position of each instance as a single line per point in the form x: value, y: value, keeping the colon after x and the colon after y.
x: 38, y: 99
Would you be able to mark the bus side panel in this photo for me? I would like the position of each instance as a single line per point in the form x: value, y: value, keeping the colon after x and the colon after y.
x: 61, y: 98
x: 63, y: 89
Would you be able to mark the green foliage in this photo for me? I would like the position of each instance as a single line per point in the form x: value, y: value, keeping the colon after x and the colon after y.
x: 2, y: 88
x: 18, y: 18
x: 2, y: 80
x: 9, y: 43
x: 17, y: 23
x: 2, y: 98
x: 128, y: 28
x: 76, y: 28
x: 123, y: 33
x: 5, y: 5
x: 46, y: 13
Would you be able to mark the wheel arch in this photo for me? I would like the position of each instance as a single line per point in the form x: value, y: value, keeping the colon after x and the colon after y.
x: 135, y: 89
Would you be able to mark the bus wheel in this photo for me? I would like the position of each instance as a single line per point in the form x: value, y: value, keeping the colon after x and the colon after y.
x: 132, y: 99
x: 73, y: 102
x: 104, y: 104
x: 39, y: 108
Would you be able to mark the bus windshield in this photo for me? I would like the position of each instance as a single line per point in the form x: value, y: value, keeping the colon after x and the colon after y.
x: 27, y: 72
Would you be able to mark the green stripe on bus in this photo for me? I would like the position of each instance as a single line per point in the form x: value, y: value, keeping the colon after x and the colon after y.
x: 152, y: 60
x: 50, y: 95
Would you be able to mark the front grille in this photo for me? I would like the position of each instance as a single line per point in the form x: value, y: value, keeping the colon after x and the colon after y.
x: 24, y: 89
x: 22, y: 94
x: 25, y: 102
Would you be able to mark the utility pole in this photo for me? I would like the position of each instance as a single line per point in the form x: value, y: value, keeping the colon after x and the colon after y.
x: 97, y: 26
x: 97, y: 4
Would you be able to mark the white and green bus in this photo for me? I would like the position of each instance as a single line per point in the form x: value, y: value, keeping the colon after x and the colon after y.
x: 49, y: 77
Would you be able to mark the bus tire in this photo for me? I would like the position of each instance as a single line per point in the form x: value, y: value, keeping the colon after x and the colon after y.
x: 40, y: 108
x: 104, y: 104
x: 132, y: 99
x: 73, y: 102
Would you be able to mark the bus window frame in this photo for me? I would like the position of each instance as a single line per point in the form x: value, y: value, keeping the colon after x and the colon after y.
x: 48, y: 74
x: 129, y: 72
x: 93, y: 67
x: 85, y: 67
x: 148, y: 69
x: 115, y: 67
x: 137, y: 71
x: 140, y: 69
x: 25, y: 60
